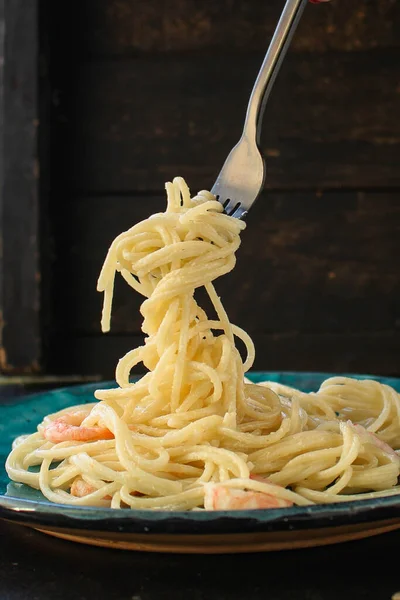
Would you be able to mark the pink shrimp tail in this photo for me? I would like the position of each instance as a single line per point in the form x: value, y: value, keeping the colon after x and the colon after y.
x: 374, y: 439
x: 67, y: 428
x: 80, y: 488
x: 220, y: 497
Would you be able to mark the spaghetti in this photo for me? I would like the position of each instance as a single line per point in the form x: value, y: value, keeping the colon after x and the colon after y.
x: 193, y: 433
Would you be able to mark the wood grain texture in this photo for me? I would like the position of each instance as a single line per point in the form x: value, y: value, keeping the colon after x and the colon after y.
x: 332, y: 121
x: 147, y: 90
x: 128, y: 27
x: 309, y: 263
x: 19, y: 201
x: 365, y: 353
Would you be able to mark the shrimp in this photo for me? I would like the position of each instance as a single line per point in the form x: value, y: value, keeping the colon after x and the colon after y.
x: 67, y: 428
x: 80, y: 488
x: 369, y: 437
x: 220, y: 497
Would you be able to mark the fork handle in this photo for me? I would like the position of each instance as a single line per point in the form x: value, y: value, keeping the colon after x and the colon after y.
x: 280, y: 42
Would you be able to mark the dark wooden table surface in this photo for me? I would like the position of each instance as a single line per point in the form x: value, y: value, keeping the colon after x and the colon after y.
x: 35, y: 566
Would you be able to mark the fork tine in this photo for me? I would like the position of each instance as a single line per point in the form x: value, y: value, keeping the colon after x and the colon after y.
x: 240, y: 213
x: 235, y: 209
x: 225, y: 203
x: 230, y: 207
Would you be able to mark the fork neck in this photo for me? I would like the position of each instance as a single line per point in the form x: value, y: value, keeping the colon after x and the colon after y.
x: 280, y: 42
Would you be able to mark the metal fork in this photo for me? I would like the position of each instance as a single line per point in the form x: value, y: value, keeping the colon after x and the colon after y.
x: 242, y: 177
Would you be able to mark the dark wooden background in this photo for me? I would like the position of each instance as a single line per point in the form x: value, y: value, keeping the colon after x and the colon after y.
x: 134, y: 92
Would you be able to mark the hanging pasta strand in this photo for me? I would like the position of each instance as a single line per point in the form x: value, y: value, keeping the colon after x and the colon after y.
x: 193, y: 432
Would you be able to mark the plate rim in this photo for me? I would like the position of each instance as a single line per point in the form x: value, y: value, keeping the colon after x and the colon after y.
x: 36, y: 513
x: 29, y: 512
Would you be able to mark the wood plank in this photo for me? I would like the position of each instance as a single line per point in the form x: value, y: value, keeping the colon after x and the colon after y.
x: 309, y: 262
x: 332, y: 121
x: 83, y: 232
x: 46, y: 98
x: 126, y: 28
x: 364, y: 353
x: 19, y: 203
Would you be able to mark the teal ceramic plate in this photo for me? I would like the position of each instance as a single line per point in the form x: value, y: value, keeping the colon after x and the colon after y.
x: 196, y: 532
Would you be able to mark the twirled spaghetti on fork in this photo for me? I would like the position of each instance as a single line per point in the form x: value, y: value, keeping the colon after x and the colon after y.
x: 193, y: 432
